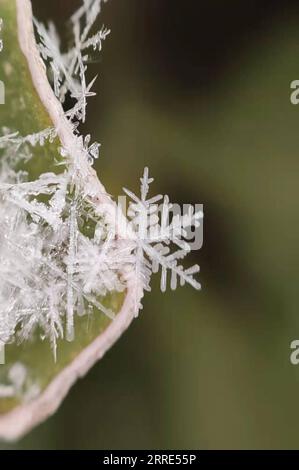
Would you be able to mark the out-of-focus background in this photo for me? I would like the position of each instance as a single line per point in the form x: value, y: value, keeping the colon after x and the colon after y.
x: 200, y: 92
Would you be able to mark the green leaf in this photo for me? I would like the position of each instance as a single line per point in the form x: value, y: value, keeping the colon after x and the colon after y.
x: 47, y: 381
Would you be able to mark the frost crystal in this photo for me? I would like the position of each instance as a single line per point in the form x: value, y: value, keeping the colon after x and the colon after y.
x: 153, y: 236
x: 60, y: 249
x: 69, y: 69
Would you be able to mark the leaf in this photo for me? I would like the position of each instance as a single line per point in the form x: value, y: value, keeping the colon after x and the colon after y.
x: 33, y: 384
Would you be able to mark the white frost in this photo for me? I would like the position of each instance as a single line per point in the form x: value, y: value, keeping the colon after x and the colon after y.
x: 60, y: 252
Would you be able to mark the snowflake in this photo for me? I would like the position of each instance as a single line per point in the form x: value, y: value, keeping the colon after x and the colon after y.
x: 153, y: 236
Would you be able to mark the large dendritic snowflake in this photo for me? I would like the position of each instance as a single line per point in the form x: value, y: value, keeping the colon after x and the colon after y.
x: 59, y: 249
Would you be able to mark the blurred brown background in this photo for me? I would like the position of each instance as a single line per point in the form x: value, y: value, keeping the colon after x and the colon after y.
x: 199, y: 91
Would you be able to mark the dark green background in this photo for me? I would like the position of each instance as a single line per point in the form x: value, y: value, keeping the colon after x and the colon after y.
x: 199, y: 91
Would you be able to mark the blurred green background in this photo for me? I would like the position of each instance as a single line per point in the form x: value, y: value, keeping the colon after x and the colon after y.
x: 199, y: 91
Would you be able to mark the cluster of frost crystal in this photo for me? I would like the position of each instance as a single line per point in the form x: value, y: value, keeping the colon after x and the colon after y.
x: 60, y: 251
x: 69, y: 69
x: 50, y: 269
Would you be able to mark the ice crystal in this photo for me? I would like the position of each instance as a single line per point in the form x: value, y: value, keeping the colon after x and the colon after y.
x: 69, y: 69
x: 60, y: 253
x: 45, y: 277
x: 154, y: 234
